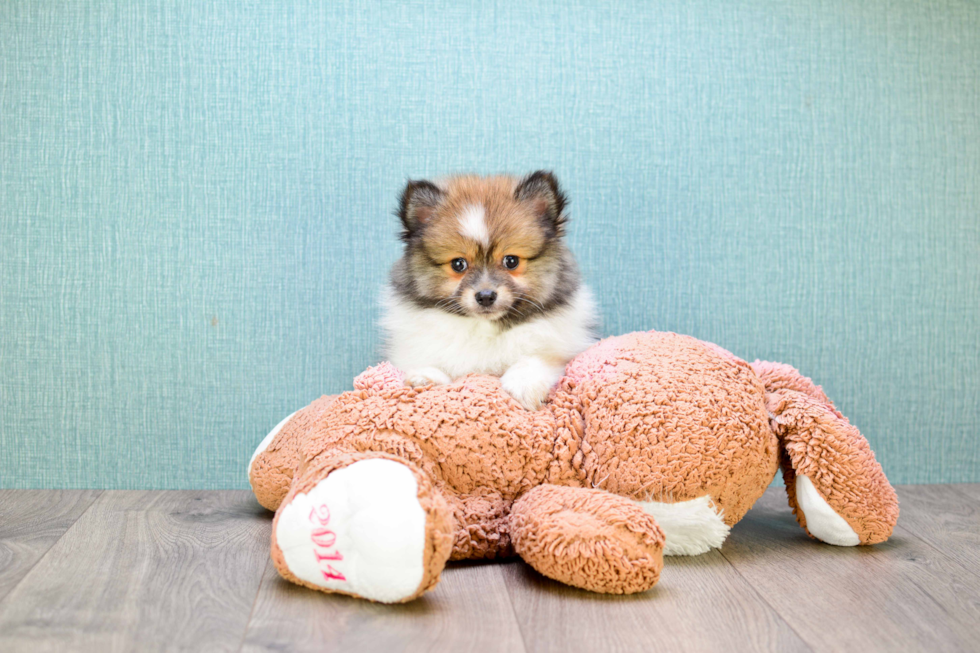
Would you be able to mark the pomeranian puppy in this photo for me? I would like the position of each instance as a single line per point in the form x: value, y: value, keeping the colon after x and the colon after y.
x: 486, y: 285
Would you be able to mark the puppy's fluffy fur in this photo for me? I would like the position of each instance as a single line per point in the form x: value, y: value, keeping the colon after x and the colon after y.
x: 486, y: 285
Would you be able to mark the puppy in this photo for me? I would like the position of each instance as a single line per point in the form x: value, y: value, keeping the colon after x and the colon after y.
x: 486, y: 285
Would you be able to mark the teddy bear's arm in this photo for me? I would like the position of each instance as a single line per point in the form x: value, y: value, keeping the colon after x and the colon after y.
x: 271, y: 469
x: 836, y: 488
x: 588, y: 538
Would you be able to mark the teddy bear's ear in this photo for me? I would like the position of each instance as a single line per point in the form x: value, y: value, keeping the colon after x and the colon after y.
x: 546, y: 198
x: 418, y: 205
x: 380, y: 379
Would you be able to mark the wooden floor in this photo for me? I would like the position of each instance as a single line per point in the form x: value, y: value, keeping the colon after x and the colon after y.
x: 145, y: 571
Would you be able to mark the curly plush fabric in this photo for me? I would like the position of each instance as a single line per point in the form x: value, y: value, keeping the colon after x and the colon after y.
x: 640, y: 420
x: 821, y: 444
x: 272, y: 469
x: 594, y: 540
x: 656, y: 403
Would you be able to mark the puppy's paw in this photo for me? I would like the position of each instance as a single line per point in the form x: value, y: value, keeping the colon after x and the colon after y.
x: 426, y: 376
x: 530, y: 380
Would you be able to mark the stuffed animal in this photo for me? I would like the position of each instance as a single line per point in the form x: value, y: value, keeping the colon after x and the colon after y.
x: 651, y: 444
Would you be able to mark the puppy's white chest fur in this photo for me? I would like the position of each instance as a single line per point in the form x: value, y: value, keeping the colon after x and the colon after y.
x: 431, y: 345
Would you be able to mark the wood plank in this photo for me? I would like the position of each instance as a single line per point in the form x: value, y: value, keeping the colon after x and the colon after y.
x: 945, y: 516
x: 969, y: 490
x: 899, y: 595
x: 31, y: 521
x: 154, y: 570
x: 700, y: 604
x: 144, y: 571
x: 468, y: 610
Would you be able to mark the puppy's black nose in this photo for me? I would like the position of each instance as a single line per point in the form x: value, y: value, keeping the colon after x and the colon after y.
x: 486, y: 298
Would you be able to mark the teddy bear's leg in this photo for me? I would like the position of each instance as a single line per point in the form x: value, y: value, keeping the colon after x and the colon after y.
x: 270, y: 471
x: 588, y: 538
x: 366, y: 525
x: 836, y: 488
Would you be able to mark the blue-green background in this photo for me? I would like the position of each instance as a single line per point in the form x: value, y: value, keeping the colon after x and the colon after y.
x: 196, y: 204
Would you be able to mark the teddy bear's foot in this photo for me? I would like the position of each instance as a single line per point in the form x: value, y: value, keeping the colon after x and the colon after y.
x: 373, y: 529
x: 588, y: 538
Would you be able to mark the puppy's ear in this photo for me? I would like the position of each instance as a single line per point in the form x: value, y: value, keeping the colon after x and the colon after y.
x: 418, y: 205
x: 542, y: 191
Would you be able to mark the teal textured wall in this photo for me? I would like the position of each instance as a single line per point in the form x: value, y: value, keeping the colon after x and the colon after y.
x: 196, y: 204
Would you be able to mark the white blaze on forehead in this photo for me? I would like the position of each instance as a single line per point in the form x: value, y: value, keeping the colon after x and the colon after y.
x: 473, y: 224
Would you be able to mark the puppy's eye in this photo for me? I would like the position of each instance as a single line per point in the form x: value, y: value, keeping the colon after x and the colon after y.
x: 511, y: 262
x: 458, y: 264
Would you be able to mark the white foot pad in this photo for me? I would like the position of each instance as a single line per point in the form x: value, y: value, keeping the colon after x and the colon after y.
x: 690, y: 527
x: 360, y: 530
x: 821, y: 520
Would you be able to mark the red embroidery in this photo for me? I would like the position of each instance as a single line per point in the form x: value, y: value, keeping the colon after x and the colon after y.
x: 323, y: 516
x: 332, y: 574
x: 325, y: 539
x: 320, y: 557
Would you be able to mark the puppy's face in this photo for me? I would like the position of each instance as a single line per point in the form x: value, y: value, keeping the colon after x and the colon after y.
x: 485, y: 247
